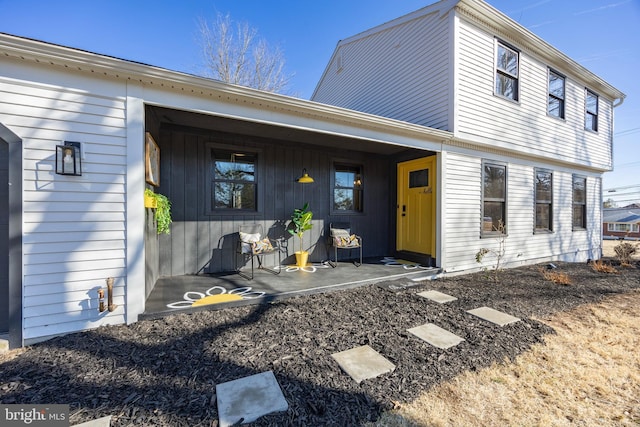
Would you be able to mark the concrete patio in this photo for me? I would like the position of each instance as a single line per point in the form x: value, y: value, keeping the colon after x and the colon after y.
x: 207, y: 291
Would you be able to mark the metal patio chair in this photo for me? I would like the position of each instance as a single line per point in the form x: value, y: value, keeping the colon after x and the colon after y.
x: 252, y: 243
x: 340, y: 237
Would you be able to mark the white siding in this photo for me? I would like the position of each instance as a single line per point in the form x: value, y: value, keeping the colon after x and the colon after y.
x: 462, y: 199
x: 462, y: 194
x: 399, y: 72
x: 524, y: 125
x: 73, y: 227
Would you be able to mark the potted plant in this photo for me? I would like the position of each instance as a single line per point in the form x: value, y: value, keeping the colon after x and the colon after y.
x: 301, y: 220
x: 162, y: 207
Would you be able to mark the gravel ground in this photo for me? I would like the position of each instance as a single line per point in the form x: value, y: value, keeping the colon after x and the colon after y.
x: 164, y: 371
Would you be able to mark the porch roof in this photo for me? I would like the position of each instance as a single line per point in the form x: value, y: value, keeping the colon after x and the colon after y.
x: 366, y: 126
x: 290, y: 114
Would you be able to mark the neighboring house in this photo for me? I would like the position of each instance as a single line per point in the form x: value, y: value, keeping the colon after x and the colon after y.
x: 436, y: 157
x: 621, y: 223
x: 532, y: 129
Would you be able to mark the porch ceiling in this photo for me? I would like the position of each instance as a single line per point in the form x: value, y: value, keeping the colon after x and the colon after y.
x: 284, y: 133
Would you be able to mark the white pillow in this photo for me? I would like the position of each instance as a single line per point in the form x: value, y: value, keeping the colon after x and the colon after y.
x: 247, y: 239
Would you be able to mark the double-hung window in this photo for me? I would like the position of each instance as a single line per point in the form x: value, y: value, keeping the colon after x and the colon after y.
x: 591, y: 111
x: 507, y: 71
x: 544, y: 200
x: 233, y: 180
x: 623, y: 227
x: 555, y: 105
x: 579, y: 195
x: 347, y: 188
x: 494, y: 198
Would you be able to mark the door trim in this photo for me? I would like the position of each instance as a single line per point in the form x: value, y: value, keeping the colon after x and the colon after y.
x: 15, y: 235
x: 429, y: 254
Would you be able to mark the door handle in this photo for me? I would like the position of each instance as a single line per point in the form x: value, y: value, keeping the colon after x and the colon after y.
x: 404, y: 210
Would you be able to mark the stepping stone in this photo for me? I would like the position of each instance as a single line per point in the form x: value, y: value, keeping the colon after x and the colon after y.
x: 397, y: 285
x: 437, y: 296
x: 249, y: 398
x: 436, y: 336
x: 363, y: 363
x: 493, y: 316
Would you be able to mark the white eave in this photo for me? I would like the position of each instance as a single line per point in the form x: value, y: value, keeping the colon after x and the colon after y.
x: 376, y: 127
x: 500, y: 24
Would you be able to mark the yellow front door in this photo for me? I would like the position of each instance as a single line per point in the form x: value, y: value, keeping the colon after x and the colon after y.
x: 416, y: 206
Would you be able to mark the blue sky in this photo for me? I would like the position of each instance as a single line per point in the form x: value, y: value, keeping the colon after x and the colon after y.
x: 602, y: 35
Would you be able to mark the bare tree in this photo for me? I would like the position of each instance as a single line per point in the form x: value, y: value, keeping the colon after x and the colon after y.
x: 234, y: 53
x: 610, y: 203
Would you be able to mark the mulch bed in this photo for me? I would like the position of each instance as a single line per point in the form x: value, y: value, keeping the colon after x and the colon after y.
x: 164, y: 371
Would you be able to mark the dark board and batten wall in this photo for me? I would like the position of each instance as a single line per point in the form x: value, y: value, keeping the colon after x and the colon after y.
x: 202, y: 241
x: 4, y: 239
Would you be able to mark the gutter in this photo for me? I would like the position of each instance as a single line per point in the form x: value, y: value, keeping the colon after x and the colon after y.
x: 621, y: 99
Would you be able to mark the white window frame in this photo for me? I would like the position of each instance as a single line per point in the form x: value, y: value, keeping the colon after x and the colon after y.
x: 617, y: 227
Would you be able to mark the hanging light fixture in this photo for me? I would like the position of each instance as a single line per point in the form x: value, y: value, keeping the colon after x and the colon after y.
x: 305, y: 178
x: 68, y: 161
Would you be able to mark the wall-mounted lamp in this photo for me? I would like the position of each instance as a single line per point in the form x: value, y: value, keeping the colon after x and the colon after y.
x: 68, y: 159
x: 357, y: 180
x: 305, y: 178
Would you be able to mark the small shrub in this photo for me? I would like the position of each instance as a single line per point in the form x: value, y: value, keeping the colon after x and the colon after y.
x: 602, y: 267
x: 557, y: 277
x: 498, y: 253
x: 624, y: 251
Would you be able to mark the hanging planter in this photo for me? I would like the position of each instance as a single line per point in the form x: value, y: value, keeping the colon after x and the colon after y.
x: 150, y: 201
x: 162, y: 207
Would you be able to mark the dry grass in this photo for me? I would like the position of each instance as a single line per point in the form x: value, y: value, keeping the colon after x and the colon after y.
x: 602, y: 267
x: 9, y: 355
x: 557, y: 277
x: 586, y: 375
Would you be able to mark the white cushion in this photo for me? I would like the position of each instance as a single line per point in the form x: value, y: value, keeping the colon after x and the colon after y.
x: 247, y: 239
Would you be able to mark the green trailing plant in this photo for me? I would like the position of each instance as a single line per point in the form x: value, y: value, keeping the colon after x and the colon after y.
x: 301, y: 220
x: 498, y: 253
x: 162, y: 213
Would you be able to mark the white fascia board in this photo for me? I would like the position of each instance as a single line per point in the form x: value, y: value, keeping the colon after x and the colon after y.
x: 442, y: 7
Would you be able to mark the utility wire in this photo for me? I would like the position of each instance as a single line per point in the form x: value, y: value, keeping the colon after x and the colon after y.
x: 615, y: 189
x: 627, y: 201
x: 627, y: 132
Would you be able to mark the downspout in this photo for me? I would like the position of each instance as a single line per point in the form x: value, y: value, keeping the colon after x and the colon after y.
x: 614, y: 105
